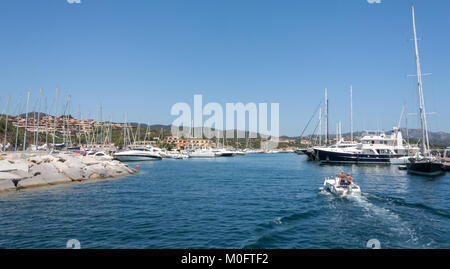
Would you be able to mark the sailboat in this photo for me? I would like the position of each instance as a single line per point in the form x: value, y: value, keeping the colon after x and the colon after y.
x: 424, y: 163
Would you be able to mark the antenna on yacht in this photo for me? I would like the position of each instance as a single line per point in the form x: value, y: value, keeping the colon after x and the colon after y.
x: 423, y: 118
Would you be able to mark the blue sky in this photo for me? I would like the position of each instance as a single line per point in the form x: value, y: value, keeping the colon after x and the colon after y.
x: 143, y: 56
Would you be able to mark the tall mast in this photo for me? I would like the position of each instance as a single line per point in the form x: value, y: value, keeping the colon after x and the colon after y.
x: 340, y: 132
x: 26, y: 124
x: 79, y: 126
x: 320, y: 126
x: 423, y: 119
x: 69, y: 116
x: 337, y: 132
x: 54, y: 118
x: 19, y: 110
x: 46, y: 122
x: 351, y: 113
x: 6, y: 124
x: 124, y: 131
x: 326, y: 118
x: 38, y: 119
x: 406, y: 123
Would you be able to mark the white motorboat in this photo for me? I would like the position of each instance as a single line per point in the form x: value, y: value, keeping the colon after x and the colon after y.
x: 137, y: 154
x: 99, y: 155
x: 239, y: 152
x: 157, y: 151
x: 400, y: 161
x: 334, y: 186
x: 223, y: 152
x: 202, y: 153
x: 176, y: 155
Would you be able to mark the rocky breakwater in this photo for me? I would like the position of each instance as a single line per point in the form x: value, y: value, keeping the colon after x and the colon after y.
x: 25, y: 170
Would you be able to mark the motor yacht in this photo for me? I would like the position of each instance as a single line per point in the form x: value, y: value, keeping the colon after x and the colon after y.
x: 137, y: 154
x: 202, y: 153
x: 375, y: 148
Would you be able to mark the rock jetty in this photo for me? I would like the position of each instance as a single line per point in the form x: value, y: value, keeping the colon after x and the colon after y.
x: 25, y: 170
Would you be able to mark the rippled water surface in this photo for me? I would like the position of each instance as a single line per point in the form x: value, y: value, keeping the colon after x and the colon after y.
x: 253, y: 201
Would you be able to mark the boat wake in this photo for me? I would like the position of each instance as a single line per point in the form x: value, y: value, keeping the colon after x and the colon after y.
x: 393, y: 221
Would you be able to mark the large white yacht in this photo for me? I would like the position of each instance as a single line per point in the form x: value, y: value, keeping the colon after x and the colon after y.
x: 374, y: 148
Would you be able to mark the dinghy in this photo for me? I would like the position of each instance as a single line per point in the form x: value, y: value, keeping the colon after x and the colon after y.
x: 334, y: 186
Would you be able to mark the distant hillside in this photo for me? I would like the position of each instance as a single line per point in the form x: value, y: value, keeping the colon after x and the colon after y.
x: 436, y: 138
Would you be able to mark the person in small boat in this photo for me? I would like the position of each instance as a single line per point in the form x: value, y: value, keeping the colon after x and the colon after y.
x: 349, y: 179
x: 342, y: 176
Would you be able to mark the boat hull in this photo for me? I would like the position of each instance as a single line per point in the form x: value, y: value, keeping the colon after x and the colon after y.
x: 224, y: 154
x: 311, y: 153
x: 425, y: 168
x: 134, y: 158
x: 325, y: 156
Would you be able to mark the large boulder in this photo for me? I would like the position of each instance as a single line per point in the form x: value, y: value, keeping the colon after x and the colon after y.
x: 9, y: 165
x: 95, y: 171
x: 74, y: 173
x: 43, y: 174
x: 75, y: 163
x: 88, y: 160
x: 6, y: 185
x: 43, y: 169
x: 60, y: 166
x: 31, y: 182
x: 48, y: 173
x: 8, y: 175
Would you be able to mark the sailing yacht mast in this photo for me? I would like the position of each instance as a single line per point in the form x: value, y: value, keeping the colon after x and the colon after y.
x: 26, y: 125
x: 351, y: 113
x: 6, y: 124
x: 54, y: 118
x: 320, y: 126
x: 326, y: 117
x: 19, y: 110
x: 423, y: 119
x: 38, y: 119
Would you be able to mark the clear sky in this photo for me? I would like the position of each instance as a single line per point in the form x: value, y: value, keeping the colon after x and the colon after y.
x: 142, y: 56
